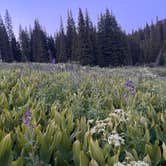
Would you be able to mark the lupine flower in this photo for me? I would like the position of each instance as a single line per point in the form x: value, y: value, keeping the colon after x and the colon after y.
x: 27, y: 116
x: 129, y: 84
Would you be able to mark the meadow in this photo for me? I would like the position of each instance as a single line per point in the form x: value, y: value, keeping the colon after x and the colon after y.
x: 68, y: 115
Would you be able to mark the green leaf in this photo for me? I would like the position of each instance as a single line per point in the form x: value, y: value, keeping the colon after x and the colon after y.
x: 154, y: 153
x: 83, y: 159
x: 5, y: 151
x: 135, y: 154
x: 76, y: 151
x: 18, y: 162
x: 130, y: 156
x: 164, y: 150
x: 112, y: 160
x: 96, y: 152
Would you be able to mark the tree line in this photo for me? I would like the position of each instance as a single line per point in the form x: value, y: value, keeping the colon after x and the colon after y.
x: 104, y: 44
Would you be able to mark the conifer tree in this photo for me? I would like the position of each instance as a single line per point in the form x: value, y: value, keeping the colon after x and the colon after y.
x: 39, y: 44
x: 61, y: 44
x: 25, y: 44
x: 111, y: 42
x: 70, y: 37
x: 51, y: 49
x: 81, y: 35
x: 5, y: 53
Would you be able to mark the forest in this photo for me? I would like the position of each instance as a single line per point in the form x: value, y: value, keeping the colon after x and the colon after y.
x: 104, y: 44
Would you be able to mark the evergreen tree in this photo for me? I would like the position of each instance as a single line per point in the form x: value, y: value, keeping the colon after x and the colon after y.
x: 14, y: 46
x: 70, y: 37
x: 25, y: 44
x: 107, y: 45
x: 89, y: 49
x: 61, y: 44
x: 8, y: 25
x: 112, y: 43
x: 81, y: 36
x: 51, y: 49
x: 100, y: 40
x: 5, y: 53
x: 10, y: 33
x: 16, y: 50
x: 39, y: 44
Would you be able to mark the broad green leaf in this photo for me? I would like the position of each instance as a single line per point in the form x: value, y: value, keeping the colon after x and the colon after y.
x: 18, y: 162
x: 5, y: 151
x: 96, y: 152
x: 164, y: 150
x: 154, y: 153
x: 76, y: 151
x: 83, y: 159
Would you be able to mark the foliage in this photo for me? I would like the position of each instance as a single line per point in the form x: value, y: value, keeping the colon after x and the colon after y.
x: 72, y: 115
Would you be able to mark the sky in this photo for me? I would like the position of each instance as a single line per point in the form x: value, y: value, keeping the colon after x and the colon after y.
x: 130, y: 14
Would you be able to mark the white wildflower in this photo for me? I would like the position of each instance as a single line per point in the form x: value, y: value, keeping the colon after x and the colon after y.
x: 147, y: 73
x: 119, y: 164
x: 120, y: 115
x: 132, y: 163
x: 93, y: 130
x: 119, y: 111
x: 115, y: 139
x: 139, y: 163
x: 91, y: 121
x: 99, y: 128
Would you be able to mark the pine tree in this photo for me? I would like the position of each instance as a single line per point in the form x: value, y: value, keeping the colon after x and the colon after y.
x: 70, y: 37
x: 14, y: 47
x: 61, y: 44
x: 112, y: 42
x: 81, y: 36
x: 39, y: 44
x: 88, y: 52
x: 5, y: 53
x: 10, y: 33
x: 100, y: 40
x: 16, y: 50
x: 25, y: 45
x: 51, y: 49
x: 8, y: 24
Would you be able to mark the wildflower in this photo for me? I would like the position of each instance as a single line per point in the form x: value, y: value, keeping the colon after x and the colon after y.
x: 132, y: 163
x: 148, y: 74
x: 99, y: 127
x: 139, y: 163
x: 129, y: 87
x: 91, y: 121
x: 26, y: 117
x: 118, y: 111
x: 120, y: 115
x: 119, y: 164
x: 115, y: 139
x: 93, y: 130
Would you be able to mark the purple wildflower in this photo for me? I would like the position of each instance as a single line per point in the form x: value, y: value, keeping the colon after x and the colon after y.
x: 27, y: 116
x: 130, y: 87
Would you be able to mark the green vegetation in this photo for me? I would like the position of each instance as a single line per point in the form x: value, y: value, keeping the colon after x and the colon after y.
x: 70, y: 115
